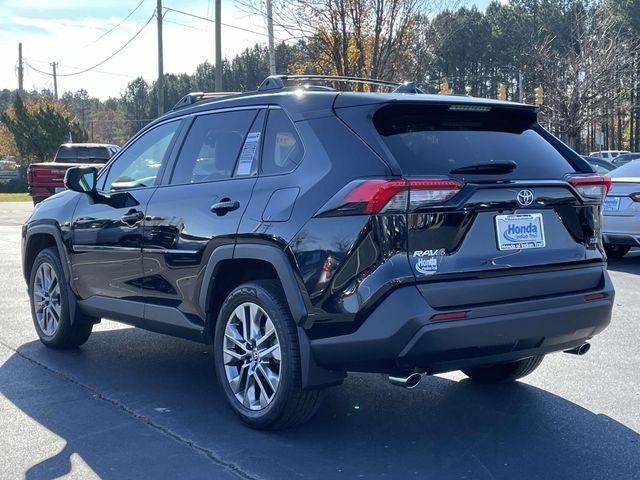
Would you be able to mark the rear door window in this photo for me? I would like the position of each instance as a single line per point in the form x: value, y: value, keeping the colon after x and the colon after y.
x: 212, y: 147
x: 434, y: 140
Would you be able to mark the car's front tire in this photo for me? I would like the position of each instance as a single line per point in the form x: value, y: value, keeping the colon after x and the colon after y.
x: 50, y: 309
x: 616, y: 251
x: 504, y: 372
x: 257, y: 358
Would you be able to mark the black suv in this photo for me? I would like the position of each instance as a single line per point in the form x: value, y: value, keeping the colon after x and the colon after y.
x: 306, y: 232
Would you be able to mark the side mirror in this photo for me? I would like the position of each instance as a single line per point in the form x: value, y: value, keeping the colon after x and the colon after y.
x: 81, y: 179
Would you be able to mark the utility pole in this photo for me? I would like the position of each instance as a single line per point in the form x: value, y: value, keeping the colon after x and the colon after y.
x: 520, y: 92
x: 272, y: 51
x: 217, y: 13
x: 160, y: 62
x: 55, y: 80
x: 20, y: 70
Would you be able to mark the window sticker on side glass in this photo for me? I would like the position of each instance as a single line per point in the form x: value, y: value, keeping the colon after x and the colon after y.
x: 248, y: 153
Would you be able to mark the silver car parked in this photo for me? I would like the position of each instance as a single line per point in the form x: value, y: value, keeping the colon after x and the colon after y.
x: 621, y: 210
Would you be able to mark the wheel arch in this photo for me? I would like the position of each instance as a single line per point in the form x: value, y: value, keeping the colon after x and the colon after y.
x: 235, y: 260
x: 38, y: 238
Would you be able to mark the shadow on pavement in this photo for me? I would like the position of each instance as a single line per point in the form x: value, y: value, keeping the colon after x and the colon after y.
x: 366, y: 428
x: 630, y: 263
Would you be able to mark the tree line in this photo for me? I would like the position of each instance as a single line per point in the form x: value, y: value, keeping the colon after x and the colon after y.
x: 582, y: 53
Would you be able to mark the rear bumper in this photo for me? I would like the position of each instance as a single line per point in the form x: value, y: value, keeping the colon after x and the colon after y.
x: 621, y: 230
x: 400, y: 334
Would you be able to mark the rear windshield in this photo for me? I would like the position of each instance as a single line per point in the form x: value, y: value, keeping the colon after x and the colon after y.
x: 82, y: 155
x: 631, y: 169
x: 628, y: 157
x: 433, y: 140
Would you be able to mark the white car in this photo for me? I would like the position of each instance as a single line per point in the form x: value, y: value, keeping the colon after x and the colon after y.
x: 608, y: 154
x: 8, y: 169
x: 621, y: 211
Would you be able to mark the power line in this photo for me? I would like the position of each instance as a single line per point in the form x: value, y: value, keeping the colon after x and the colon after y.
x: 168, y: 9
x: 103, y: 61
x: 42, y: 62
x: 186, y: 26
x: 113, y: 28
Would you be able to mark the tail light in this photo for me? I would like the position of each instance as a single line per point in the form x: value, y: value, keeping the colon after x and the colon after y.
x: 390, y: 196
x: 592, y: 188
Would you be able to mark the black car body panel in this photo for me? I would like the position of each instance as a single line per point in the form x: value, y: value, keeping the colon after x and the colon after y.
x: 160, y: 247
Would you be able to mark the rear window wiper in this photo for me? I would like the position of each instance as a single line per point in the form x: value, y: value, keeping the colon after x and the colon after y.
x: 487, y: 168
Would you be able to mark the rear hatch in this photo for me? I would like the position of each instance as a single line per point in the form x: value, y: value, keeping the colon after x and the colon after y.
x: 491, y: 194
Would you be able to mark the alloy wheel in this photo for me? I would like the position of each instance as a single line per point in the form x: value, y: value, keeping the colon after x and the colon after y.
x: 46, y: 299
x: 251, y: 355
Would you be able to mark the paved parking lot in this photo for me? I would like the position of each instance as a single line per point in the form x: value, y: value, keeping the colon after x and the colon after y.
x: 133, y: 404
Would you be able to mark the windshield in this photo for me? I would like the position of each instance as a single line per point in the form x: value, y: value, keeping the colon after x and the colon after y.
x: 433, y: 140
x: 631, y: 169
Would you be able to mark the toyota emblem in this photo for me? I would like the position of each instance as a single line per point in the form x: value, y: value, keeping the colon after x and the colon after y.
x: 525, y: 197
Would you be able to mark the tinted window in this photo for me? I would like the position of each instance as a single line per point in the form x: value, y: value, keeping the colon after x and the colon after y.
x: 631, y: 169
x: 212, y: 147
x: 139, y: 164
x: 282, y: 146
x: 82, y: 155
x: 433, y: 140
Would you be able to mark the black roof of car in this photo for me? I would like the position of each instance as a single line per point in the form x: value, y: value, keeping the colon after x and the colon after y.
x: 309, y: 101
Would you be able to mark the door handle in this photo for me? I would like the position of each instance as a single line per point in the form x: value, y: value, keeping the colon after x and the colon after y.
x: 226, y: 205
x: 132, y: 217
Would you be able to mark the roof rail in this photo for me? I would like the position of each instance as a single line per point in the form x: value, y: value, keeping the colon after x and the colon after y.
x: 277, y: 82
x: 193, y: 97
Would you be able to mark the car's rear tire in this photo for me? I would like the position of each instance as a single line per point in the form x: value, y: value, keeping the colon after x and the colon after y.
x: 263, y: 388
x: 50, y: 309
x: 504, y: 372
x: 616, y: 251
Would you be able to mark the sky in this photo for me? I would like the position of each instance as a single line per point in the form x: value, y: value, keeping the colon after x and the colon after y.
x: 78, y: 34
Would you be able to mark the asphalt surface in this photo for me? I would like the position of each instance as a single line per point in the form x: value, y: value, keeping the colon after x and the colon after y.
x: 134, y: 404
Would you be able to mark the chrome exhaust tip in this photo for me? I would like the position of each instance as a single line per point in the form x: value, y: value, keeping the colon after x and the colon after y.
x: 580, y: 350
x: 406, y: 381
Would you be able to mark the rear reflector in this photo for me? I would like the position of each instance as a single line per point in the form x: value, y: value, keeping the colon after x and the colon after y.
x: 449, y: 316
x: 390, y: 196
x: 594, y: 296
x: 592, y: 188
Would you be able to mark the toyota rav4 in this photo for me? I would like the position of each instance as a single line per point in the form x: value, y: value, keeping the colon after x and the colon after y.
x: 306, y: 232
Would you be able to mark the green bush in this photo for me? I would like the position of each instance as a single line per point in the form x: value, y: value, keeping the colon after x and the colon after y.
x: 15, y: 185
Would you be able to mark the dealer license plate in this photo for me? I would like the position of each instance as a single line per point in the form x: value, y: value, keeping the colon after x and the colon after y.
x: 611, y: 204
x: 520, y: 231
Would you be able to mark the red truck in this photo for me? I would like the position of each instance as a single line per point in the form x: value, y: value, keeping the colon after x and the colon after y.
x: 47, y: 178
